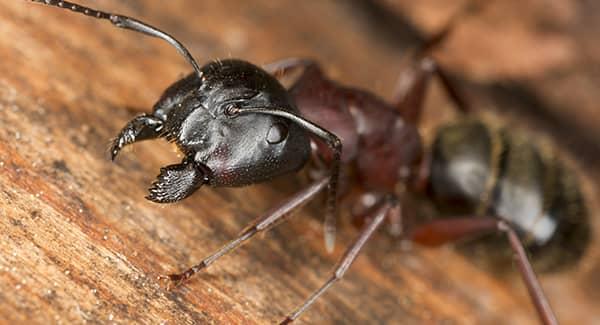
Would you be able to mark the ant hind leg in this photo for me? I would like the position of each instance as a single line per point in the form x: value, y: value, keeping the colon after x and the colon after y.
x: 441, y: 231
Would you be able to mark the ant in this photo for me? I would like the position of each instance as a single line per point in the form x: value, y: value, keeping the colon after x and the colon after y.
x: 237, y: 125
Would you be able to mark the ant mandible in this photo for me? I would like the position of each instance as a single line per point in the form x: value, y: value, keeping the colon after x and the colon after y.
x: 237, y: 125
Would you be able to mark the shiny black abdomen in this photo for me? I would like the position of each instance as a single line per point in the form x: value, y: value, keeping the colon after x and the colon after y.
x: 479, y: 170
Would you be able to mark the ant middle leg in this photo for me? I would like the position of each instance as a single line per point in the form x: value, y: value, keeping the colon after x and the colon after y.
x: 261, y: 224
x: 441, y: 231
x: 387, y: 207
x: 363, y: 207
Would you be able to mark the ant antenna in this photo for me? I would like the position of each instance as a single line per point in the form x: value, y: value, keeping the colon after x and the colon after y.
x: 127, y: 23
x: 336, y: 147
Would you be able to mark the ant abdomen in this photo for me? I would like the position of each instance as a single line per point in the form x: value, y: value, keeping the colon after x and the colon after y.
x: 493, y: 171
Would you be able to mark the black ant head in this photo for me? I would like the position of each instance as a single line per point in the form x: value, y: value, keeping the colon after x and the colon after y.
x: 235, y: 123
x: 239, y: 149
x: 223, y: 146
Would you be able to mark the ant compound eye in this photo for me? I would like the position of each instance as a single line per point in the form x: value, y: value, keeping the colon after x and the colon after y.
x: 277, y: 133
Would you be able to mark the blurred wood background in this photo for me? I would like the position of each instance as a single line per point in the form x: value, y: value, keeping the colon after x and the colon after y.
x: 80, y: 244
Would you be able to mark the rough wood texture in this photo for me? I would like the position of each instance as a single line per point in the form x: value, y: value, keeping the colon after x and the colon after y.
x: 80, y: 244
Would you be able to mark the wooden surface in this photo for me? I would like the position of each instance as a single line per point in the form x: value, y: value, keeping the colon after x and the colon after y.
x: 80, y: 244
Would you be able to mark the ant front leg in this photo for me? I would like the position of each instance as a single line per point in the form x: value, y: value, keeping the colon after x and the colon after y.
x: 143, y: 127
x: 441, y: 231
x: 263, y: 223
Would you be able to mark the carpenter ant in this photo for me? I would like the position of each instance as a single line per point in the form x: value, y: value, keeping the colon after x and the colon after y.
x: 237, y: 125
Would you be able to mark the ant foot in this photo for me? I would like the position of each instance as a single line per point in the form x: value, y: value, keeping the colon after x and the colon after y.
x: 172, y: 281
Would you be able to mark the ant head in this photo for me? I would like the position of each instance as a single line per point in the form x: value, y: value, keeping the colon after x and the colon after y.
x: 233, y: 120
x: 234, y: 149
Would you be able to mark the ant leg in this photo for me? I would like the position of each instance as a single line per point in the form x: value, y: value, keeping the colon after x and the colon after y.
x: 261, y: 224
x: 412, y: 85
x: 362, y: 212
x: 533, y: 285
x: 442, y: 231
x: 386, y: 207
x: 142, y: 127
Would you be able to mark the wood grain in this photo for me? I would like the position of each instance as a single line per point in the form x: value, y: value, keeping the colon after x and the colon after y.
x: 80, y: 244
